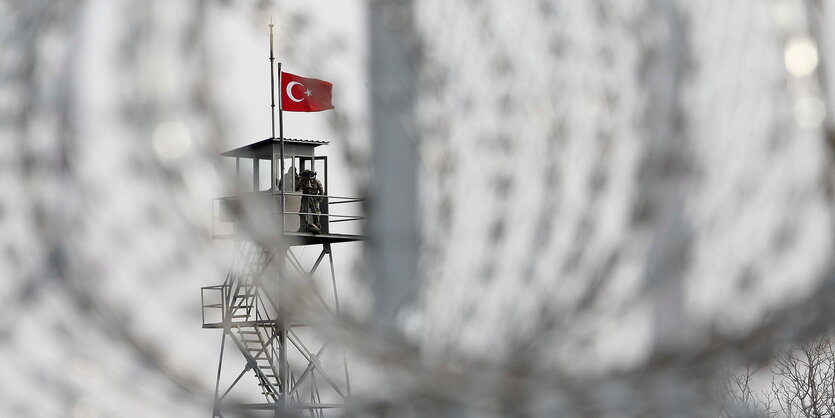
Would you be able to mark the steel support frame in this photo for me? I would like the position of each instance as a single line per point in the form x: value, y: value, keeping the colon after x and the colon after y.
x: 281, y: 332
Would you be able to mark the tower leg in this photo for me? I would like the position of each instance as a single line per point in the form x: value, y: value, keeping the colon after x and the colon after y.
x: 284, y: 365
x: 327, y: 248
x: 216, y: 413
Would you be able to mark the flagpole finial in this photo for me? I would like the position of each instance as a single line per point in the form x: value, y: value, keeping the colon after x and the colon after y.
x: 271, y: 37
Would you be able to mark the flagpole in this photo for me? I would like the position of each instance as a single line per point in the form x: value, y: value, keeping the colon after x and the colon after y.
x: 282, y: 337
x: 280, y: 123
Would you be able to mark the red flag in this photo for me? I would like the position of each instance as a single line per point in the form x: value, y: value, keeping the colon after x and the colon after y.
x: 300, y: 94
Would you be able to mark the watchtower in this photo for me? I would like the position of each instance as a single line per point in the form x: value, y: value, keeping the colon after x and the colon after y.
x: 250, y: 306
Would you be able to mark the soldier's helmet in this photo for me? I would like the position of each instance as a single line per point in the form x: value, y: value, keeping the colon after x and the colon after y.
x: 308, y: 174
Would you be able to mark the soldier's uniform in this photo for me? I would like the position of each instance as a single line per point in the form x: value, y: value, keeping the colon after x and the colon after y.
x: 309, y: 185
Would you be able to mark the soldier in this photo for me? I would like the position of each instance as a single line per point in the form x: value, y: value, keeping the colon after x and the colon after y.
x: 312, y: 189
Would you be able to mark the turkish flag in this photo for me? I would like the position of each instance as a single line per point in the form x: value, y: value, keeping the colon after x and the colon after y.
x: 300, y: 94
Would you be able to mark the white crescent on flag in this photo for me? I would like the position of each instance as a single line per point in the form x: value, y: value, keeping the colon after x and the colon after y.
x: 290, y: 91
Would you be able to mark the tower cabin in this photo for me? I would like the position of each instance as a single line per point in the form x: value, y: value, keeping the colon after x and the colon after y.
x: 260, y: 188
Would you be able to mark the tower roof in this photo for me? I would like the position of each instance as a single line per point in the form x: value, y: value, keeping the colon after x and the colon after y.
x: 264, y: 148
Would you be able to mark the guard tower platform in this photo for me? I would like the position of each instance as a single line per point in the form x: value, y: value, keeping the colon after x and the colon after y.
x: 259, y: 200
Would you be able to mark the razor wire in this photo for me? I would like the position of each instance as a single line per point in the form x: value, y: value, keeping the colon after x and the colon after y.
x: 619, y: 200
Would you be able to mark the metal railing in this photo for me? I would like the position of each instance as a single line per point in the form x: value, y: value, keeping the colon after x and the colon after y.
x: 267, y: 206
x: 227, y: 309
x: 223, y: 292
x: 239, y: 295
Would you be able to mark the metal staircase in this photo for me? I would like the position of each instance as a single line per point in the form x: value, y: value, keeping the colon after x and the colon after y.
x: 251, y: 320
